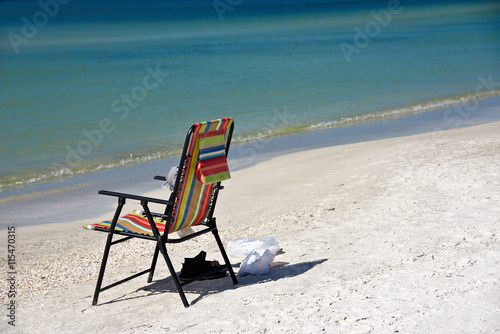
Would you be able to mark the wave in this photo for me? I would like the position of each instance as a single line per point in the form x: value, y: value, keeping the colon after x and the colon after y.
x: 420, y: 107
x: 68, y: 172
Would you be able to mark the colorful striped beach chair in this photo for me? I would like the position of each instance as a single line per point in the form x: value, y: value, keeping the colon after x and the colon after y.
x: 202, y: 167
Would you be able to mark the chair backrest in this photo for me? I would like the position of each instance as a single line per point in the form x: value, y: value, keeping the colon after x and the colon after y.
x: 194, y: 196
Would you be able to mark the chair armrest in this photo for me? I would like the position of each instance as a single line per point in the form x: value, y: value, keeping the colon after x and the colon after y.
x: 161, y: 178
x: 136, y: 197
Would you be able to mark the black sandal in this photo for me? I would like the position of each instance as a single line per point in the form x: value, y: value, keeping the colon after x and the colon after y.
x: 196, y: 266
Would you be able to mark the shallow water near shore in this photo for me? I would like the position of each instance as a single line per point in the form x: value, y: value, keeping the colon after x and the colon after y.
x: 74, y: 198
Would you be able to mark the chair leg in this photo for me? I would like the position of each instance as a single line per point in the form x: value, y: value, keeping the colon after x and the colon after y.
x: 121, y: 203
x: 174, y: 275
x: 103, y: 268
x: 224, y: 256
x: 153, y: 264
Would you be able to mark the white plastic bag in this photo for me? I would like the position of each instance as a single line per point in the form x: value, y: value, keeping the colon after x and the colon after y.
x: 256, y: 263
x: 240, y: 248
x: 257, y: 255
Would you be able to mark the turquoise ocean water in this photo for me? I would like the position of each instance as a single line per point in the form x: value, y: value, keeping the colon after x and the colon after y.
x: 91, y: 85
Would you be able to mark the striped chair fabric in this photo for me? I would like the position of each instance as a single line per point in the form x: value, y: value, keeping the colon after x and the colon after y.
x: 205, y: 166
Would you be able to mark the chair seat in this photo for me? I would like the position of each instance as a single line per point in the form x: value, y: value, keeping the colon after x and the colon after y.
x: 134, y: 222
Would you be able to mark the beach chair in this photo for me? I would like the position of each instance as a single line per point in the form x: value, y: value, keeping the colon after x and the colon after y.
x: 202, y: 167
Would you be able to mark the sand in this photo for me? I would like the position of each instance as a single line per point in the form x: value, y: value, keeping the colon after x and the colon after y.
x: 390, y: 236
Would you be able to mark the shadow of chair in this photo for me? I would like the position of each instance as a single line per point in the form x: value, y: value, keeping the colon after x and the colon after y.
x: 279, y: 271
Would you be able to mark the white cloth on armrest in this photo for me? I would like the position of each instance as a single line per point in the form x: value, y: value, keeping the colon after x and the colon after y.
x: 171, y: 177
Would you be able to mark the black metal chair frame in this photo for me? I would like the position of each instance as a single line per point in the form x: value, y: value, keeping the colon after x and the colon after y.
x: 209, y: 225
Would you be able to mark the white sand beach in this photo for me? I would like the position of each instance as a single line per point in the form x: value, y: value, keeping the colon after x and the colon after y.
x: 391, y: 236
